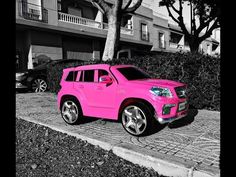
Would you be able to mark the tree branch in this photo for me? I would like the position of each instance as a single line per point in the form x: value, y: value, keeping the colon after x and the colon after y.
x: 181, y: 20
x: 204, y: 24
x: 172, y: 6
x: 127, y: 5
x: 134, y: 7
x: 209, y: 32
x: 171, y: 15
x: 101, y: 5
x: 194, y: 20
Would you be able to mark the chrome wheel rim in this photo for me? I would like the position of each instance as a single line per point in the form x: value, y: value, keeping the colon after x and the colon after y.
x: 134, y: 120
x: 70, y: 112
x: 39, y: 85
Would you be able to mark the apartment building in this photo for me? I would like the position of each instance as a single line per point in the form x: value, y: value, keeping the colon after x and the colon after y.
x: 75, y: 29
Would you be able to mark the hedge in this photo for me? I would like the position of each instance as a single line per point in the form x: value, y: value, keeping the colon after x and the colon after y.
x: 200, y: 72
x: 54, y: 73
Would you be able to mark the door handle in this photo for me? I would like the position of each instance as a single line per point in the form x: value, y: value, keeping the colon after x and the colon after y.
x: 98, y: 88
x: 80, y: 86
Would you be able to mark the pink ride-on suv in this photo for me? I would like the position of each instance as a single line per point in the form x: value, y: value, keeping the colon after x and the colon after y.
x: 120, y: 92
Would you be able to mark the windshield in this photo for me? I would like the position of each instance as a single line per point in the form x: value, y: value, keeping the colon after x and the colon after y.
x: 132, y: 73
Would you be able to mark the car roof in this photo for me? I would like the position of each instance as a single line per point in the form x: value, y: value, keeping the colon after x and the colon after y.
x: 93, y: 66
x: 101, y: 66
x: 122, y: 66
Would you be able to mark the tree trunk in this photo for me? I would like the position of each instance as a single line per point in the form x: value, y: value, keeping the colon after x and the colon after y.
x: 113, y: 36
x: 194, y: 45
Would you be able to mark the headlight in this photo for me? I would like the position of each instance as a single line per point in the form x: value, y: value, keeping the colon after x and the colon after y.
x: 158, y: 91
x: 21, y: 76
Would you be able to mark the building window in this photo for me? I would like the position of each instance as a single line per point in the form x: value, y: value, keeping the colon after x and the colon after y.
x: 59, y: 5
x: 144, y: 32
x: 162, y: 40
x: 33, y: 10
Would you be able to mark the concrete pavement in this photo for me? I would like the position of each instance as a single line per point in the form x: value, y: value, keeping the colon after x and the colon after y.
x: 190, y: 147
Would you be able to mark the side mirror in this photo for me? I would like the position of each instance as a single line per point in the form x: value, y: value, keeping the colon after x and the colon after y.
x: 105, y: 79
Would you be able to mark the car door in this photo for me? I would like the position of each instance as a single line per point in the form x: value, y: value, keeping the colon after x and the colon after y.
x: 105, y: 94
x: 95, y: 94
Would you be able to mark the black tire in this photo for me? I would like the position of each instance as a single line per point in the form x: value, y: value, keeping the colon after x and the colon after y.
x: 39, y: 85
x: 71, y: 111
x: 144, y: 122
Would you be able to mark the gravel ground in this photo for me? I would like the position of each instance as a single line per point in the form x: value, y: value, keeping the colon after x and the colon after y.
x: 41, y: 151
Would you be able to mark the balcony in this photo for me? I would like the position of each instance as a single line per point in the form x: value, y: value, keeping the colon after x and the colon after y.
x: 176, y: 46
x: 123, y: 30
x: 179, y: 46
x: 33, y: 12
x: 88, y: 22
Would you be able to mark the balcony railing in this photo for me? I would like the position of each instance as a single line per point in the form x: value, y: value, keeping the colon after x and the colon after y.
x: 179, y: 46
x: 78, y: 20
x: 123, y: 30
x: 33, y: 12
x: 176, y: 45
x: 88, y: 22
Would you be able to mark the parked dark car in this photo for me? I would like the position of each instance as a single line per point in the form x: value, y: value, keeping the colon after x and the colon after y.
x: 36, y: 79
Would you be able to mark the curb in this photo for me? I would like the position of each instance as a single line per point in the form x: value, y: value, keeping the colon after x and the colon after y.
x: 161, y: 166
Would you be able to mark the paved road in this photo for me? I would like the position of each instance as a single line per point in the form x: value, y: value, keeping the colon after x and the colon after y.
x: 192, y: 142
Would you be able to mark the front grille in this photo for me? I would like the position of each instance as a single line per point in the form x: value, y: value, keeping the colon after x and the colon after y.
x: 181, y: 91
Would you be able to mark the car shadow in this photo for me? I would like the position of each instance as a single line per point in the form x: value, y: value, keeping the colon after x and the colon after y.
x: 18, y: 91
x: 185, y: 120
x: 176, y: 124
x: 86, y: 120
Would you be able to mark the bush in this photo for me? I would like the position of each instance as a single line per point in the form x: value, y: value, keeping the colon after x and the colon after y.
x: 200, y: 72
x: 55, y: 70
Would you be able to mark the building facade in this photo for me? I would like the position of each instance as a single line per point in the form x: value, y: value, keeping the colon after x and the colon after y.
x: 75, y: 29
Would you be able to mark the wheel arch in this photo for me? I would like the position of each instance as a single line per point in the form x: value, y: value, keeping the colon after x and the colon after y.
x: 129, y: 101
x: 64, y: 97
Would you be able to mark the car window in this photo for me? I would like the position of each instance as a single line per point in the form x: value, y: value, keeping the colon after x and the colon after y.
x: 88, y: 76
x: 132, y: 73
x: 71, y: 76
x: 102, y: 73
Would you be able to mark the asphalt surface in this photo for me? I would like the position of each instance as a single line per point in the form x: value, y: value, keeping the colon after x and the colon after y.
x: 188, y: 147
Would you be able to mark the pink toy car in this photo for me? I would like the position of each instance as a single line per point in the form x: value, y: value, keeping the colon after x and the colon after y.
x: 120, y: 92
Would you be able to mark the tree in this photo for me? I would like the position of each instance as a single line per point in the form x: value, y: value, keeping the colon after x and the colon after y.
x: 114, y: 13
x: 205, y: 17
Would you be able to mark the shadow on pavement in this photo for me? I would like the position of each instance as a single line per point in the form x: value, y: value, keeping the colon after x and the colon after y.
x: 86, y: 120
x: 185, y: 120
x: 21, y: 91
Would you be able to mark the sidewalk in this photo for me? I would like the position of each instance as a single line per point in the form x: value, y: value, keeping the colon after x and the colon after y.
x: 190, y: 147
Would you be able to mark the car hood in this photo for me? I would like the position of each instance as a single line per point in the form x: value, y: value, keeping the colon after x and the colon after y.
x: 158, y: 82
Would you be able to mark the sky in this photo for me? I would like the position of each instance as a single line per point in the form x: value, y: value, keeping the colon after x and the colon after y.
x: 162, y: 11
x: 154, y: 4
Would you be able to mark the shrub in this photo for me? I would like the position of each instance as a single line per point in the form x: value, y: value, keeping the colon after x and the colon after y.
x: 200, y: 72
x: 55, y: 70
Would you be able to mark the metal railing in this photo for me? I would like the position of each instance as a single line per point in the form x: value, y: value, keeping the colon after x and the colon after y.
x: 88, y: 22
x: 32, y: 12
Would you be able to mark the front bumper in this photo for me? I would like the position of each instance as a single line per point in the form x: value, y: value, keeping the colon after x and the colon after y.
x: 178, y: 109
x: 19, y: 85
x: 171, y: 119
